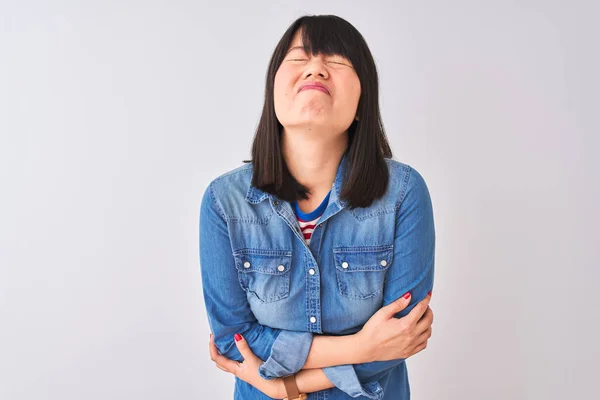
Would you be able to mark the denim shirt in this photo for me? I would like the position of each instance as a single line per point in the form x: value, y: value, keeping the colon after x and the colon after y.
x: 261, y: 279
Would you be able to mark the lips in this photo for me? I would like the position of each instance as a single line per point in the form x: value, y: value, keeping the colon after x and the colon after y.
x: 314, y: 86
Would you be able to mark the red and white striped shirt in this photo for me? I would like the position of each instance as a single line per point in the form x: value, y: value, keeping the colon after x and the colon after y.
x: 308, y: 221
x: 308, y: 227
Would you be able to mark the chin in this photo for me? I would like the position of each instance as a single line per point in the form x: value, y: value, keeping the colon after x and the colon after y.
x: 311, y: 123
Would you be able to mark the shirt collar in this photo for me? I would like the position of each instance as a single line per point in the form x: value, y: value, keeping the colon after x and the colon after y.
x: 254, y: 195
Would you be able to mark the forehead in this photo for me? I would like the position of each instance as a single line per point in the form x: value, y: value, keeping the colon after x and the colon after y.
x: 297, y: 39
x: 307, y: 41
x: 296, y: 43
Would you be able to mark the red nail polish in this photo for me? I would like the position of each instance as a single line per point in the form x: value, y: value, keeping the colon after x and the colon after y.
x: 406, y: 295
x: 237, y: 337
x: 430, y: 294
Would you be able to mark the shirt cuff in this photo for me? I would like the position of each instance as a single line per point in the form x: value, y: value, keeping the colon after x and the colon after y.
x: 288, y: 354
x: 344, y: 378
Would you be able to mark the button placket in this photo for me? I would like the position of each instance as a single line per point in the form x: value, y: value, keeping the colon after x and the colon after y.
x: 313, y: 306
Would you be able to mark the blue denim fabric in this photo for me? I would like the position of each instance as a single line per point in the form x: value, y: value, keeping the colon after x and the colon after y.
x: 256, y: 280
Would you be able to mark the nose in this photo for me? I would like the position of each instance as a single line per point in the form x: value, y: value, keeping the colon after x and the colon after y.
x: 316, y: 67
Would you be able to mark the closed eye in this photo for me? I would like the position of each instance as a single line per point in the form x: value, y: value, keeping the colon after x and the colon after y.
x: 340, y: 62
x: 329, y: 62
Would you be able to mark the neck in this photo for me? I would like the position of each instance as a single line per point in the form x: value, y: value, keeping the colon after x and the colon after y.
x: 313, y: 158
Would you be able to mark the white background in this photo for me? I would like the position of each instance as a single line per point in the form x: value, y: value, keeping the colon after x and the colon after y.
x: 115, y: 115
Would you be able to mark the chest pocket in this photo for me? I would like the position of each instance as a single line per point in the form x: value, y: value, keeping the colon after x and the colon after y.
x: 264, y: 273
x: 361, y: 270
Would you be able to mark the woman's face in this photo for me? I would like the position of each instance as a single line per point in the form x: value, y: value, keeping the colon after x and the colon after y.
x: 332, y: 108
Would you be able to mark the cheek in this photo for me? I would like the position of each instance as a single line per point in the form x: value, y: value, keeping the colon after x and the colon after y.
x: 355, y: 95
x: 279, y: 95
x: 355, y: 90
x: 281, y: 84
x: 282, y: 95
x: 351, y: 94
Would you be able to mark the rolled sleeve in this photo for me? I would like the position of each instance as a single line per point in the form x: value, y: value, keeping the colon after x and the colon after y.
x: 344, y: 378
x: 288, y: 355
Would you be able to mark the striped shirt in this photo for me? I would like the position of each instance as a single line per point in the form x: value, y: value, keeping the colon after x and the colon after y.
x: 308, y: 221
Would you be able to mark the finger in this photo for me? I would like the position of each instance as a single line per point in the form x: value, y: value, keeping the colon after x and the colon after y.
x: 420, y: 348
x: 395, y: 306
x: 221, y: 360
x: 425, y: 321
x: 422, y: 340
x: 226, y: 364
x: 221, y: 368
x: 212, y: 349
x: 423, y: 337
x: 243, y: 347
x: 417, y: 312
x: 426, y: 313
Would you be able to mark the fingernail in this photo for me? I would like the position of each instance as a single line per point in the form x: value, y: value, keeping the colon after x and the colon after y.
x: 237, y: 337
x: 430, y: 294
x: 406, y: 295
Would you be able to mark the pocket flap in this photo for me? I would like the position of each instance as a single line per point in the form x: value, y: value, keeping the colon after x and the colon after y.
x: 272, y: 262
x: 363, y: 258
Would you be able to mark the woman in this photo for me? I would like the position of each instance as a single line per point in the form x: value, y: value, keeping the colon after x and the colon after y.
x: 317, y: 256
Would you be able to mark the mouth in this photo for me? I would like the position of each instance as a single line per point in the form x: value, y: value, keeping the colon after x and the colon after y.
x: 314, y: 87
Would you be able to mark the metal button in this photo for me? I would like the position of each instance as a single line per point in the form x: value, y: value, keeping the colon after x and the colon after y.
x: 313, y: 320
x: 275, y: 202
x: 383, y: 263
x: 280, y: 268
x: 311, y: 271
x: 247, y: 264
x: 344, y: 265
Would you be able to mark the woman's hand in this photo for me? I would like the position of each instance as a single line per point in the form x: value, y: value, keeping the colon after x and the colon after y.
x: 384, y: 337
x: 248, y: 369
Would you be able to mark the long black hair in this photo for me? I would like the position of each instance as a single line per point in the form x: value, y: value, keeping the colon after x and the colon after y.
x: 367, y: 175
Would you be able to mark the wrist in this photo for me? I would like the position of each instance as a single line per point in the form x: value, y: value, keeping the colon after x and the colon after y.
x: 280, y: 392
x: 291, y: 389
x: 363, y: 352
x: 274, y: 388
x: 312, y: 380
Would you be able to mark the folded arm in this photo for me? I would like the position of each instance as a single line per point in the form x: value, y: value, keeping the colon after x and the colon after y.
x: 412, y: 270
x: 320, y: 361
x: 285, y: 352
